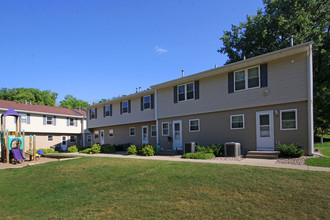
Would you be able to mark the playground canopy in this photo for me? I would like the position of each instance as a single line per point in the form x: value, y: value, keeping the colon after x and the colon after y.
x: 12, y: 112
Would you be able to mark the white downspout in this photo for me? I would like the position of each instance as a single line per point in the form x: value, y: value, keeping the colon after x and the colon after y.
x: 310, y: 100
x: 156, y: 117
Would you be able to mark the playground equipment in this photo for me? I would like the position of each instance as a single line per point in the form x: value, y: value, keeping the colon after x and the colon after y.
x: 12, y: 143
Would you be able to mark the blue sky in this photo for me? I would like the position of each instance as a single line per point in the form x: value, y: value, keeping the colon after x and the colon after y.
x: 105, y: 48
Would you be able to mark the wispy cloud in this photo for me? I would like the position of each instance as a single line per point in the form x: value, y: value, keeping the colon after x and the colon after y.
x: 160, y: 50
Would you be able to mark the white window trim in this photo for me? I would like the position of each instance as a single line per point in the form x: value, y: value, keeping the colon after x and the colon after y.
x: 93, y: 109
x: 47, y: 120
x: 105, y: 110
x: 167, y: 129
x: 296, y: 118
x: 98, y: 135
x: 246, y: 77
x: 113, y: 133
x: 129, y: 131
x: 199, y: 126
x: 147, y: 102
x: 25, y: 116
x: 70, y: 122
x: 155, y: 130
x: 185, y: 92
x: 50, y: 136
x: 231, y: 122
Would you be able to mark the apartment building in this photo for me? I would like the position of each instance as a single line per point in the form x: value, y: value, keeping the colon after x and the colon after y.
x: 53, y: 126
x: 259, y: 102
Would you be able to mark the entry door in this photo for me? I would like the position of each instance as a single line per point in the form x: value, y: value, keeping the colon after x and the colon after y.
x: 145, y: 135
x: 64, y: 145
x: 177, y: 135
x: 101, y: 137
x: 265, y: 131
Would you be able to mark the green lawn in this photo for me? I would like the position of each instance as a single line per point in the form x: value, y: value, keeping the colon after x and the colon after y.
x: 127, y: 188
x: 324, y: 148
x: 319, y: 162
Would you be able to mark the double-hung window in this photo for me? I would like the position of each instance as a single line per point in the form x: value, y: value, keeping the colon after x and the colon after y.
x: 194, y: 125
x: 247, y: 79
x: 289, y: 119
x: 237, y: 121
x: 23, y: 118
x: 50, y: 120
x: 92, y: 113
x: 153, y: 131
x: 71, y: 121
x: 89, y: 138
x: 110, y: 132
x: 186, y: 92
x: 165, y: 129
x: 50, y: 138
x: 132, y: 131
x: 96, y: 135
x: 146, y: 102
x: 125, y: 107
x: 107, y: 110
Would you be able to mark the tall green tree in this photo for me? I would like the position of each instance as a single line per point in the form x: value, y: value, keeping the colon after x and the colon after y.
x: 73, y: 103
x: 36, y: 96
x: 272, y: 28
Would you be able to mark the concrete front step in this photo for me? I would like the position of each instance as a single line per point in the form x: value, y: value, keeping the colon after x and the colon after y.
x: 263, y: 154
x: 169, y: 152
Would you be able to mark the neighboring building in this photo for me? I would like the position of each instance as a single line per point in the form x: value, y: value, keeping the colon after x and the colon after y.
x: 53, y: 126
x: 259, y: 102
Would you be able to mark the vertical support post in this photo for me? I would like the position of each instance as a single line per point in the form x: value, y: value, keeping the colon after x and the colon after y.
x: 20, y: 125
x: 310, y: 129
x: 34, y: 147
x: 24, y: 142
x: 17, y: 125
x: 7, y: 147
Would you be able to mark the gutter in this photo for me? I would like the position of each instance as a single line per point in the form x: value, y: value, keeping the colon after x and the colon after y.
x: 310, y: 128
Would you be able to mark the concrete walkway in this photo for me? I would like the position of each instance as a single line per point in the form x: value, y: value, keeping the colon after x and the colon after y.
x: 243, y: 161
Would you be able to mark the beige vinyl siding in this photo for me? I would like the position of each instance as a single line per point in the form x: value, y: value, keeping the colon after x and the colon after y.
x: 42, y: 140
x: 135, y: 116
x: 215, y: 128
x: 121, y: 134
x: 286, y: 83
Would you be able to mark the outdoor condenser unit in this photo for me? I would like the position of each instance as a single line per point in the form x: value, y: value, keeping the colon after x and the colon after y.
x: 189, y: 147
x: 232, y: 149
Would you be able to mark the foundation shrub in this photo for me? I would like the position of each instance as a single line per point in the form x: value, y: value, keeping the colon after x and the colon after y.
x: 198, y: 155
x: 108, y: 149
x: 119, y: 147
x: 80, y: 148
x: 148, y: 150
x: 47, y: 150
x: 217, y: 150
x: 291, y: 150
x: 132, y: 150
x: 86, y: 151
x: 73, y: 149
x: 96, y: 149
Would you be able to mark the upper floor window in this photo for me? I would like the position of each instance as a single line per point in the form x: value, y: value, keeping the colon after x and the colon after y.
x: 92, y: 113
x: 247, y: 79
x: 107, y: 110
x: 23, y: 118
x: 50, y: 120
x: 146, y: 102
x: 71, y: 121
x: 289, y: 119
x: 186, y: 92
x: 125, y: 107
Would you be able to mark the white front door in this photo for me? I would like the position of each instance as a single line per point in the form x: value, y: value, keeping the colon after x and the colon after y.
x: 265, y: 131
x: 145, y: 135
x: 102, y: 137
x: 64, y: 145
x: 177, y: 135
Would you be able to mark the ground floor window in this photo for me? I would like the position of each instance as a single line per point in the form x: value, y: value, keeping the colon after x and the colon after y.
x: 132, y: 131
x: 73, y: 139
x: 165, y: 128
x: 96, y: 135
x: 89, y: 138
x: 288, y: 119
x: 194, y: 125
x: 237, y: 121
x: 153, y: 131
x: 110, y: 132
x: 50, y: 137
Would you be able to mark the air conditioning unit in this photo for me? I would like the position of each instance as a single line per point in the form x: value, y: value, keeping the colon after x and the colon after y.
x: 189, y: 147
x: 232, y: 149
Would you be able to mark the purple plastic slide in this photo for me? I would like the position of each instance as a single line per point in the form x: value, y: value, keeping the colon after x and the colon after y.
x: 18, y: 156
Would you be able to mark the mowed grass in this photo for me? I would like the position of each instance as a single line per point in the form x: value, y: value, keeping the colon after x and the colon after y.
x: 324, y: 148
x: 128, y: 188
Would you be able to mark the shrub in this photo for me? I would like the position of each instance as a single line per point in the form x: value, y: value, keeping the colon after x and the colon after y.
x: 119, y: 147
x: 86, y: 151
x: 291, y: 150
x: 108, y: 149
x: 132, y: 150
x: 80, y: 148
x: 148, y: 150
x: 217, y: 150
x: 198, y: 155
x: 47, y: 150
x: 73, y: 149
x: 96, y: 149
